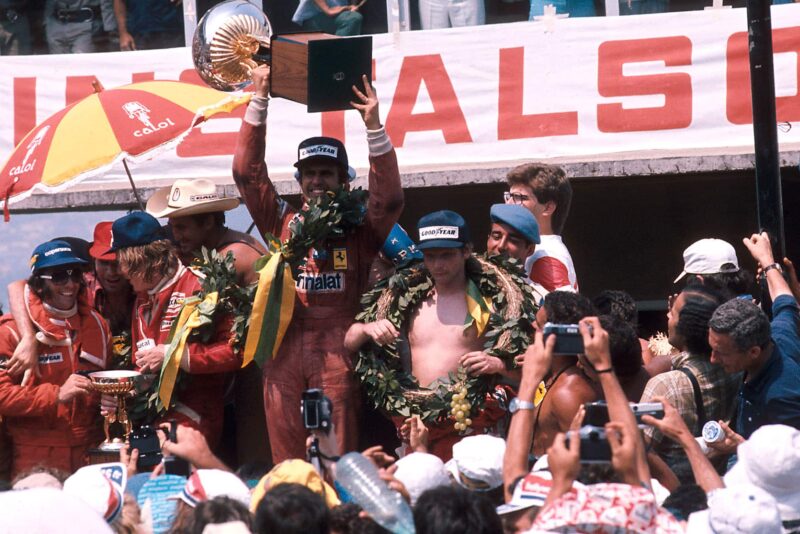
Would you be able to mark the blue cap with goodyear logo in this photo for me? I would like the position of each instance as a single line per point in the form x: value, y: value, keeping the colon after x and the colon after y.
x: 442, y: 229
x: 399, y: 248
x: 53, y: 254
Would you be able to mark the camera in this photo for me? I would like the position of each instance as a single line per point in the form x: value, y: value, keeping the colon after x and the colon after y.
x: 654, y: 409
x: 316, y: 409
x: 594, y: 444
x: 569, y: 341
x: 145, y: 440
x: 597, y: 412
x: 174, y: 465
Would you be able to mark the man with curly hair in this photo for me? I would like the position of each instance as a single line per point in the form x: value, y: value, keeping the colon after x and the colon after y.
x: 162, y: 285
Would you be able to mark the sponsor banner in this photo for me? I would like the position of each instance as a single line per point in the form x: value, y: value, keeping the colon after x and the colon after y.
x: 578, y: 88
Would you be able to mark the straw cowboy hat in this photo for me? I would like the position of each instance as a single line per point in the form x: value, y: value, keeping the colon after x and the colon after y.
x: 188, y: 197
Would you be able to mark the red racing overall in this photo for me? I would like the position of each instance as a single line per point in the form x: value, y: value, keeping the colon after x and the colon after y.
x: 200, y: 405
x: 43, y: 430
x: 312, y: 354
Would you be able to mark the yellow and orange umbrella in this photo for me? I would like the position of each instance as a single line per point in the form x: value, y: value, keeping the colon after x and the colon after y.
x: 86, y: 138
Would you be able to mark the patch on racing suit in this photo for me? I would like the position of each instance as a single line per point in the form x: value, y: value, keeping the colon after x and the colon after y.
x: 55, y: 357
x: 173, y: 310
x: 329, y: 282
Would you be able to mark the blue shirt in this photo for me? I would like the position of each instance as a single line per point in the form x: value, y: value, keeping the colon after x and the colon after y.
x: 773, y: 395
x: 153, y: 16
x: 308, y: 9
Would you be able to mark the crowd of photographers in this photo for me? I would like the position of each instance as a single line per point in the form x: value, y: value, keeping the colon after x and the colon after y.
x: 590, y: 429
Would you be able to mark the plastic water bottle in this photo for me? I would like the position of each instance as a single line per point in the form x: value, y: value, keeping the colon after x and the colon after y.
x: 361, y: 480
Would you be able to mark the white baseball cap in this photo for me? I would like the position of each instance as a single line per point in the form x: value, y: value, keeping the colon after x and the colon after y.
x: 735, y: 509
x: 477, y: 462
x: 530, y: 491
x: 206, y: 484
x: 770, y: 459
x: 709, y: 256
x: 419, y: 472
x: 101, y: 486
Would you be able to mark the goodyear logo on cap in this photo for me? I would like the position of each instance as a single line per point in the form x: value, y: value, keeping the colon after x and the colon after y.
x: 57, y: 250
x: 319, y: 150
x: 438, y: 232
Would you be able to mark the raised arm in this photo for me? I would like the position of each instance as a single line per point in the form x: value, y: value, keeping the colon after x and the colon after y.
x: 595, y: 342
x: 537, y: 361
x: 266, y: 208
x: 385, y: 189
x: 761, y: 250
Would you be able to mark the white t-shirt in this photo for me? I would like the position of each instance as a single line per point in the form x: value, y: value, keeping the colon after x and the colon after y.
x: 551, y: 265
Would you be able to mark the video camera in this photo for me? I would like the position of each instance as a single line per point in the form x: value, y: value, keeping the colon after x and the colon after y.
x: 317, y: 410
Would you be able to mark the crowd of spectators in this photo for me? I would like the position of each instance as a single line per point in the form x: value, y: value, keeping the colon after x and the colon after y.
x: 697, y: 430
x: 80, y: 26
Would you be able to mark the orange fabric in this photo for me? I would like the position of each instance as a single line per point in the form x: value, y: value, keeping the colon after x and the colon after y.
x: 42, y: 429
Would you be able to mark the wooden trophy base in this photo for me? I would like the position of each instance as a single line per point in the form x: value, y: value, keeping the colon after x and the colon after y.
x: 318, y: 69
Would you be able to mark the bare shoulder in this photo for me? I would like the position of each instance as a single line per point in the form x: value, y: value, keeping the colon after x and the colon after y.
x: 239, y: 242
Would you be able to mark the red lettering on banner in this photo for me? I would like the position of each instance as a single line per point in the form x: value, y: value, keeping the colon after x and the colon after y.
x: 676, y: 87
x: 446, y: 115
x: 739, y: 104
x: 197, y: 143
x: 137, y: 77
x: 511, y: 123
x: 24, y: 107
x: 333, y: 121
x: 79, y: 87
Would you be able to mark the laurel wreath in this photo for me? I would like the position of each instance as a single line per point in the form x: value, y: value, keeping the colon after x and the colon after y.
x: 217, y: 274
x: 394, y: 390
x: 330, y: 216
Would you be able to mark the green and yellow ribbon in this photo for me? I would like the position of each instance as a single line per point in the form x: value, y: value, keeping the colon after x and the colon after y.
x: 479, y: 308
x: 193, y: 315
x: 273, y: 307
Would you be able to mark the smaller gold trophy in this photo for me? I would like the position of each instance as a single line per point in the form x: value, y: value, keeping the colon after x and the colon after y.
x: 120, y: 384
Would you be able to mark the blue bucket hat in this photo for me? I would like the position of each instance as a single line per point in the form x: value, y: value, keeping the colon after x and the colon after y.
x: 53, y: 254
x: 134, y: 230
x: 517, y: 217
x: 400, y: 248
x: 443, y: 229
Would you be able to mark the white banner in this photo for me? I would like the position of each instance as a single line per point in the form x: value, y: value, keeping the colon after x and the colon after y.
x: 569, y: 87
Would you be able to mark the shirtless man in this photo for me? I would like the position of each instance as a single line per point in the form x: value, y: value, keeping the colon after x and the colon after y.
x: 437, y: 336
x: 566, y: 387
x: 196, y: 215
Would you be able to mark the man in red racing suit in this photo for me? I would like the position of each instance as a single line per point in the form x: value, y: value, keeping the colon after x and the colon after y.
x: 55, y: 419
x: 162, y: 284
x: 312, y: 354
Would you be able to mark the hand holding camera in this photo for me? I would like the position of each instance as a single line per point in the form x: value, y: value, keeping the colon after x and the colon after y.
x: 595, y: 344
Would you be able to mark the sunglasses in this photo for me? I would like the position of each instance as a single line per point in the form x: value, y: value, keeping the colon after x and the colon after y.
x: 60, y: 278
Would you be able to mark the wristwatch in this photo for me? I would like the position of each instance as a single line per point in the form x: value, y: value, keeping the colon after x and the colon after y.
x: 516, y: 405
